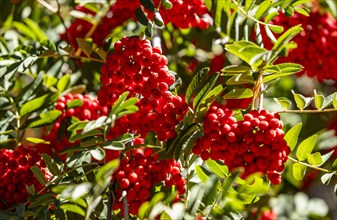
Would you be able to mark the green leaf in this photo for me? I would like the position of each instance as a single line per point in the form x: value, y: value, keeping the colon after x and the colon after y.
x: 119, y: 101
x: 148, y: 4
x: 210, y: 82
x: 91, y: 142
x: 158, y: 20
x: 74, y: 103
x: 98, y: 123
x: 68, y: 207
x: 270, y: 16
x: 30, y: 189
x: 325, y: 157
x: 101, y: 53
x: 141, y: 17
x: 240, y: 93
x: 306, y: 147
x: 235, y: 69
x: 213, y: 94
x: 298, y: 171
x: 334, y: 165
x: 63, y: 83
x: 301, y: 101
x: 45, y: 119
x: 283, y: 102
x: 281, y: 70
x: 286, y: 37
x: 240, y: 79
x: 247, y: 51
x: 85, y: 46
x: 262, y: 9
x: 276, y: 29
x: 319, y: 100
x: 201, y: 173
x: 302, y: 11
x: 113, y: 145
x: 291, y: 136
x: 334, y: 101
x: 249, y: 4
x: 218, y: 168
x: 106, y: 171
x: 77, y: 126
x: 328, y: 100
x: 97, y: 153
x: 40, y: 35
x: 315, y: 159
x: 220, y: 6
x: 168, y: 5
x: 195, y: 83
x: 39, y: 175
x: 38, y: 103
x: 81, y: 136
x: 326, y: 178
x: 36, y: 140
x: 51, y: 165
x: 208, y: 4
x: 25, y: 30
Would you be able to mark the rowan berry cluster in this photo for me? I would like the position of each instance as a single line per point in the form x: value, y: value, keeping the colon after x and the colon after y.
x: 319, y: 34
x: 79, y: 27
x: 256, y: 143
x: 268, y: 215
x: 191, y: 12
x: 140, y: 69
x: 15, y: 175
x: 89, y: 109
x: 138, y: 175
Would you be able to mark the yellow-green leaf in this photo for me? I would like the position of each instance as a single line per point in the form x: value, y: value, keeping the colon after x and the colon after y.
x: 306, y: 147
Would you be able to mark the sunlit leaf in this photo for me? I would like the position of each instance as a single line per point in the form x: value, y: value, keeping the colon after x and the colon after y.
x: 291, y: 136
x: 306, y: 147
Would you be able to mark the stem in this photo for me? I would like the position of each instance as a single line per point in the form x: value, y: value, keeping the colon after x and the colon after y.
x: 309, y: 111
x: 312, y: 166
x: 215, y: 201
x: 62, y: 20
x: 48, y: 6
x: 256, y: 89
x: 72, y: 56
x: 111, y: 199
x: 246, y: 13
x: 126, y: 205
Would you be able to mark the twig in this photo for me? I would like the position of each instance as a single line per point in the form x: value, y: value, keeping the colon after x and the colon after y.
x: 126, y: 205
x: 48, y: 6
x: 62, y: 20
x: 111, y: 198
x: 312, y: 166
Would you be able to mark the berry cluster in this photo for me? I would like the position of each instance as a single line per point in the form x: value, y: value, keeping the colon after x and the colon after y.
x: 189, y: 11
x: 15, y: 175
x: 268, y: 215
x: 256, y: 143
x: 79, y: 27
x: 89, y: 110
x: 319, y: 33
x: 138, y: 175
x: 140, y: 69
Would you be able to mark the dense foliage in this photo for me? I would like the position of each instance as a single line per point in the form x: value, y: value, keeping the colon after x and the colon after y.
x: 168, y: 109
